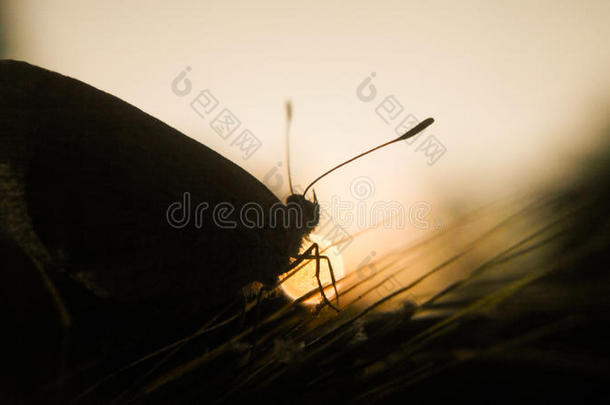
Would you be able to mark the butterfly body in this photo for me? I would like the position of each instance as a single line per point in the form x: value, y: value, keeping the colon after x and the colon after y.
x: 95, y: 180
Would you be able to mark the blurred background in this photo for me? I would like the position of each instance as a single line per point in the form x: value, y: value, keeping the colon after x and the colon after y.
x: 519, y: 91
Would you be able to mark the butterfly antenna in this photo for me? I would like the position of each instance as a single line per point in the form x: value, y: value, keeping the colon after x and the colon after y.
x: 288, y: 122
x: 410, y: 133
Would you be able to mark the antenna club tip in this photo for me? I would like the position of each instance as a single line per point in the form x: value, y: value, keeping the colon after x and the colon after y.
x: 418, y: 128
x: 289, y: 109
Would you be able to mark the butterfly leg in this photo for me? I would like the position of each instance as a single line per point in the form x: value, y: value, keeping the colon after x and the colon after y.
x: 316, y: 256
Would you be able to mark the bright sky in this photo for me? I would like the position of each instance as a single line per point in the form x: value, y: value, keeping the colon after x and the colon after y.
x: 516, y: 87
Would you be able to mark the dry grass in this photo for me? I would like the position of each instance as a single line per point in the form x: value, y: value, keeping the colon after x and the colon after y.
x: 517, y: 296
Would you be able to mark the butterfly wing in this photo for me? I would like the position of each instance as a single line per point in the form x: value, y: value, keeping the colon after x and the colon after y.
x: 98, y: 177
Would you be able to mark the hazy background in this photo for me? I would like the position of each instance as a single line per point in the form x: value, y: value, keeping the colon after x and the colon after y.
x: 518, y: 89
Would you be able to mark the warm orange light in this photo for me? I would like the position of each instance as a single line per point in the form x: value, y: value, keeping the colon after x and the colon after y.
x: 305, y: 280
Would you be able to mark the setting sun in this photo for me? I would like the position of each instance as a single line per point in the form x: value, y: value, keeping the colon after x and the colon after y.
x: 305, y: 280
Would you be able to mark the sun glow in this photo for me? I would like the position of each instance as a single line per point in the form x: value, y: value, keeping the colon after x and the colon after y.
x: 305, y: 280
